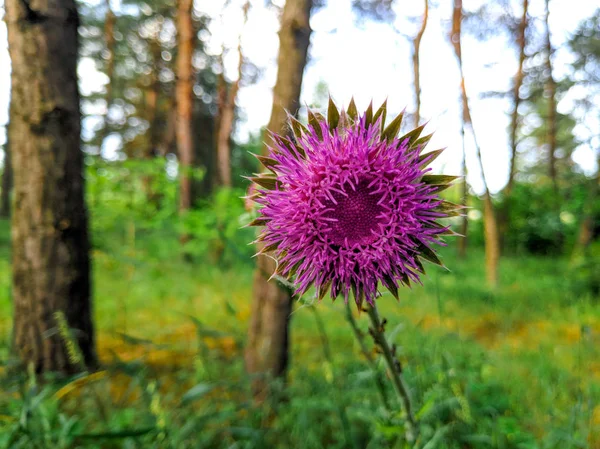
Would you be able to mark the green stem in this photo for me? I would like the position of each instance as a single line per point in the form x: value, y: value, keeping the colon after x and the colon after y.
x: 378, y: 333
x: 360, y: 337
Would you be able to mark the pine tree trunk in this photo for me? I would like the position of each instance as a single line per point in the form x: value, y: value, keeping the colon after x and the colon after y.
x: 153, y: 134
x: 227, y: 98
x: 225, y: 128
x: 586, y: 228
x: 268, y: 334
x: 7, y: 183
x: 551, y: 94
x: 416, y: 64
x: 184, y: 98
x: 464, y: 224
x: 110, y: 22
x: 492, y: 238
x: 50, y: 248
x: 504, y: 212
x: 492, y: 241
x: 517, y: 83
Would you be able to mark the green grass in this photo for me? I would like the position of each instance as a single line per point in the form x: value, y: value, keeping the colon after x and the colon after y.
x: 518, y: 367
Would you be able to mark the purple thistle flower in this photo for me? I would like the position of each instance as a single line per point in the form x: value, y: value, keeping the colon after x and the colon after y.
x: 349, y: 204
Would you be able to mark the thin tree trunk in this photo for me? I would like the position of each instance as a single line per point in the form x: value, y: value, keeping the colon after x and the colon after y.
x: 152, y: 101
x: 184, y: 98
x: 586, y: 228
x: 551, y: 94
x: 227, y: 100
x: 517, y: 83
x: 7, y: 183
x: 225, y: 128
x: 110, y: 42
x: 151, y: 142
x: 416, y: 50
x: 50, y: 247
x: 464, y: 224
x: 492, y: 242
x: 504, y: 211
x: 268, y: 333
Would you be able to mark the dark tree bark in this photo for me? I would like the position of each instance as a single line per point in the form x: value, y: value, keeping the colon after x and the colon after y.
x: 268, y: 333
x: 184, y: 99
x: 50, y: 248
x: 7, y: 183
x: 416, y: 63
x: 492, y: 241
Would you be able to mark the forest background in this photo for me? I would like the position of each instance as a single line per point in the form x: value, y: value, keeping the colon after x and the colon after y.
x: 500, y: 351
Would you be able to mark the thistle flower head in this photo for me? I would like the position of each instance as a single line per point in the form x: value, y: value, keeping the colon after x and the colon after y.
x: 349, y: 204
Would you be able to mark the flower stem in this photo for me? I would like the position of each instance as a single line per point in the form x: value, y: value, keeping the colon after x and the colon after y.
x: 360, y: 337
x: 378, y: 333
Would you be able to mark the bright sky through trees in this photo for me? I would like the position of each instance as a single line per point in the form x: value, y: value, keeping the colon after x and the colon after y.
x: 371, y: 60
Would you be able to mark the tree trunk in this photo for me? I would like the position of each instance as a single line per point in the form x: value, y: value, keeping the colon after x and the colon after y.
x: 464, y: 224
x: 225, y: 127
x: 492, y: 241
x: 151, y: 142
x: 50, y: 248
x: 551, y: 94
x: 268, y: 333
x: 586, y: 228
x: 517, y: 83
x: 110, y: 42
x: 504, y: 212
x: 227, y: 98
x: 7, y: 183
x: 416, y: 70
x: 184, y: 99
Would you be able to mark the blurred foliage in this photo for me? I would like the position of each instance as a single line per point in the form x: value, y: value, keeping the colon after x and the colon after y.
x: 133, y: 199
x: 534, y: 224
x: 487, y: 369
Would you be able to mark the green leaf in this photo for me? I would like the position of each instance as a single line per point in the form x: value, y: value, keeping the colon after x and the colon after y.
x: 432, y: 154
x: 422, y: 142
x: 391, y: 131
x: 260, y: 221
x: 269, y: 183
x: 333, y: 115
x: 298, y: 128
x: 324, y: 288
x: 359, y: 296
x: 381, y: 112
x: 450, y: 209
x: 115, y: 435
x: 369, y: 115
x: 438, y: 180
x: 343, y: 123
x: 429, y: 255
x: 268, y: 248
x: 388, y: 282
x: 230, y: 309
x: 267, y: 162
x: 352, y: 111
x: 419, y: 265
x: 447, y: 206
x: 412, y: 136
x: 197, y: 392
x: 314, y: 121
